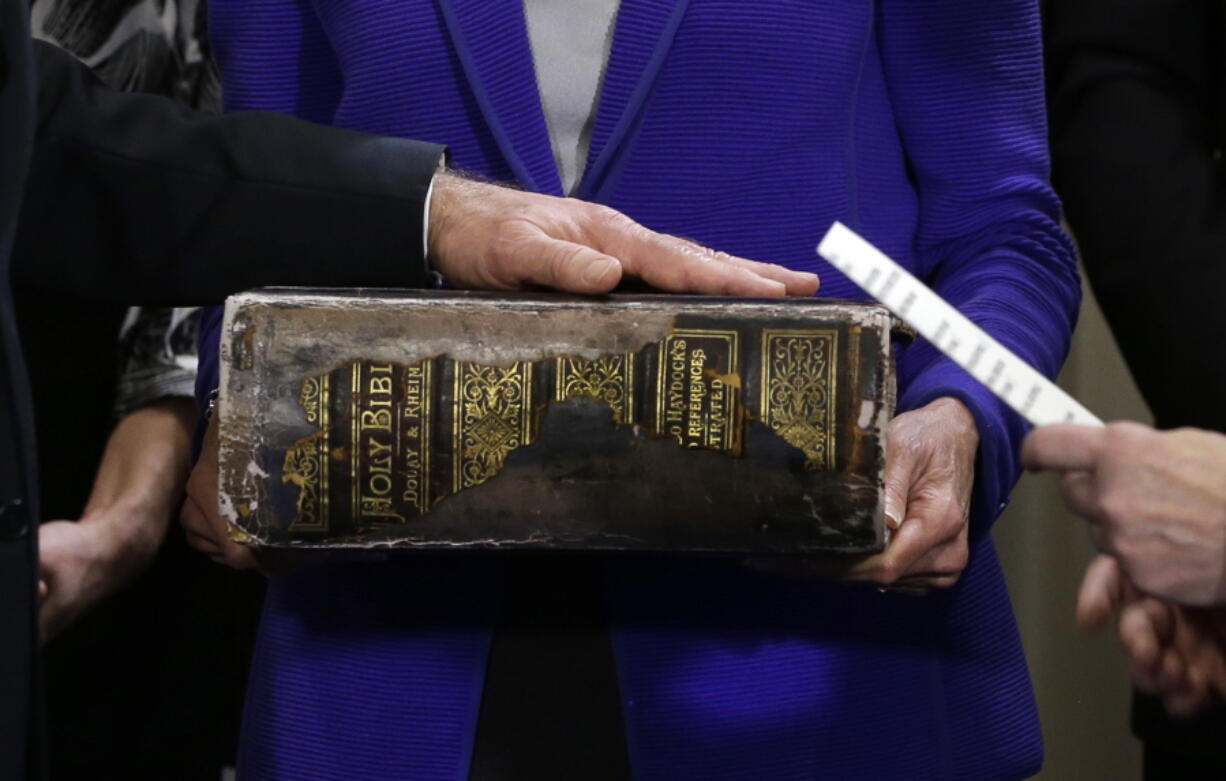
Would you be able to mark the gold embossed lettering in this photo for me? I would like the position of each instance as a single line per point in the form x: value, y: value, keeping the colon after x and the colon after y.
x: 698, y: 388
x: 381, y: 508
x: 380, y: 456
x: 380, y: 419
x: 415, y: 437
x: 381, y: 385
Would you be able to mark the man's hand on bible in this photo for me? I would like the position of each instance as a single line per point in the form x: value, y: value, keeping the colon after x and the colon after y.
x: 1175, y: 652
x: 488, y: 237
x: 483, y: 236
x: 1155, y: 500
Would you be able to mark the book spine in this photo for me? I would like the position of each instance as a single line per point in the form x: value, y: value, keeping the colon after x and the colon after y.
x: 389, y: 441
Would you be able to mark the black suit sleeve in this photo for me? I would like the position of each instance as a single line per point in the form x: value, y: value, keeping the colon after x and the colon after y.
x: 133, y: 198
x: 1135, y: 98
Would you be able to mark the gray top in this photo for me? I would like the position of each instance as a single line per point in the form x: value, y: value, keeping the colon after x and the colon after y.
x: 570, y: 42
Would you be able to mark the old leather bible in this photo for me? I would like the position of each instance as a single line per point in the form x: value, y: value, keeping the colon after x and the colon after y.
x: 445, y: 420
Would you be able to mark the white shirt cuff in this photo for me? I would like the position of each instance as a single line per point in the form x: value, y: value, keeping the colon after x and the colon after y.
x: 425, y: 220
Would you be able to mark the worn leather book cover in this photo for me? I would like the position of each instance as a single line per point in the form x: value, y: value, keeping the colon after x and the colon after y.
x: 448, y: 420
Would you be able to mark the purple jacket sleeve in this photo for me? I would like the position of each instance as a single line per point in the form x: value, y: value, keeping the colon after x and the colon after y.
x: 207, y: 370
x: 966, y: 81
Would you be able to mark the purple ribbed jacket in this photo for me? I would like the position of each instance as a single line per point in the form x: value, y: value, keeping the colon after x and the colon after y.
x: 749, y: 126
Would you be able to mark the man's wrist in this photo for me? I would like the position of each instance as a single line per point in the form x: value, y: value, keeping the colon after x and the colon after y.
x: 425, y: 217
x: 457, y: 196
x: 438, y: 215
x: 430, y: 222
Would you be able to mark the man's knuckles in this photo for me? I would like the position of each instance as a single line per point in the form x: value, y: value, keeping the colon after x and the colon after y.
x: 1123, y: 439
x: 513, y: 246
x: 606, y: 226
x: 1116, y: 507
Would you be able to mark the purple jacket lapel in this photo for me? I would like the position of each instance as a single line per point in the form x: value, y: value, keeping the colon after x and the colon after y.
x: 491, y: 40
x: 641, y: 40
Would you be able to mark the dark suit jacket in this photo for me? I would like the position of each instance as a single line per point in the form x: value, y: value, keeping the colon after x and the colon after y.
x: 1137, y: 98
x: 134, y: 199
x: 1137, y: 132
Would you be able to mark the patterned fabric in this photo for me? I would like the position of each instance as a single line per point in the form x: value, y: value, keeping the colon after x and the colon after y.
x: 154, y: 46
x: 750, y: 127
x: 157, y: 356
